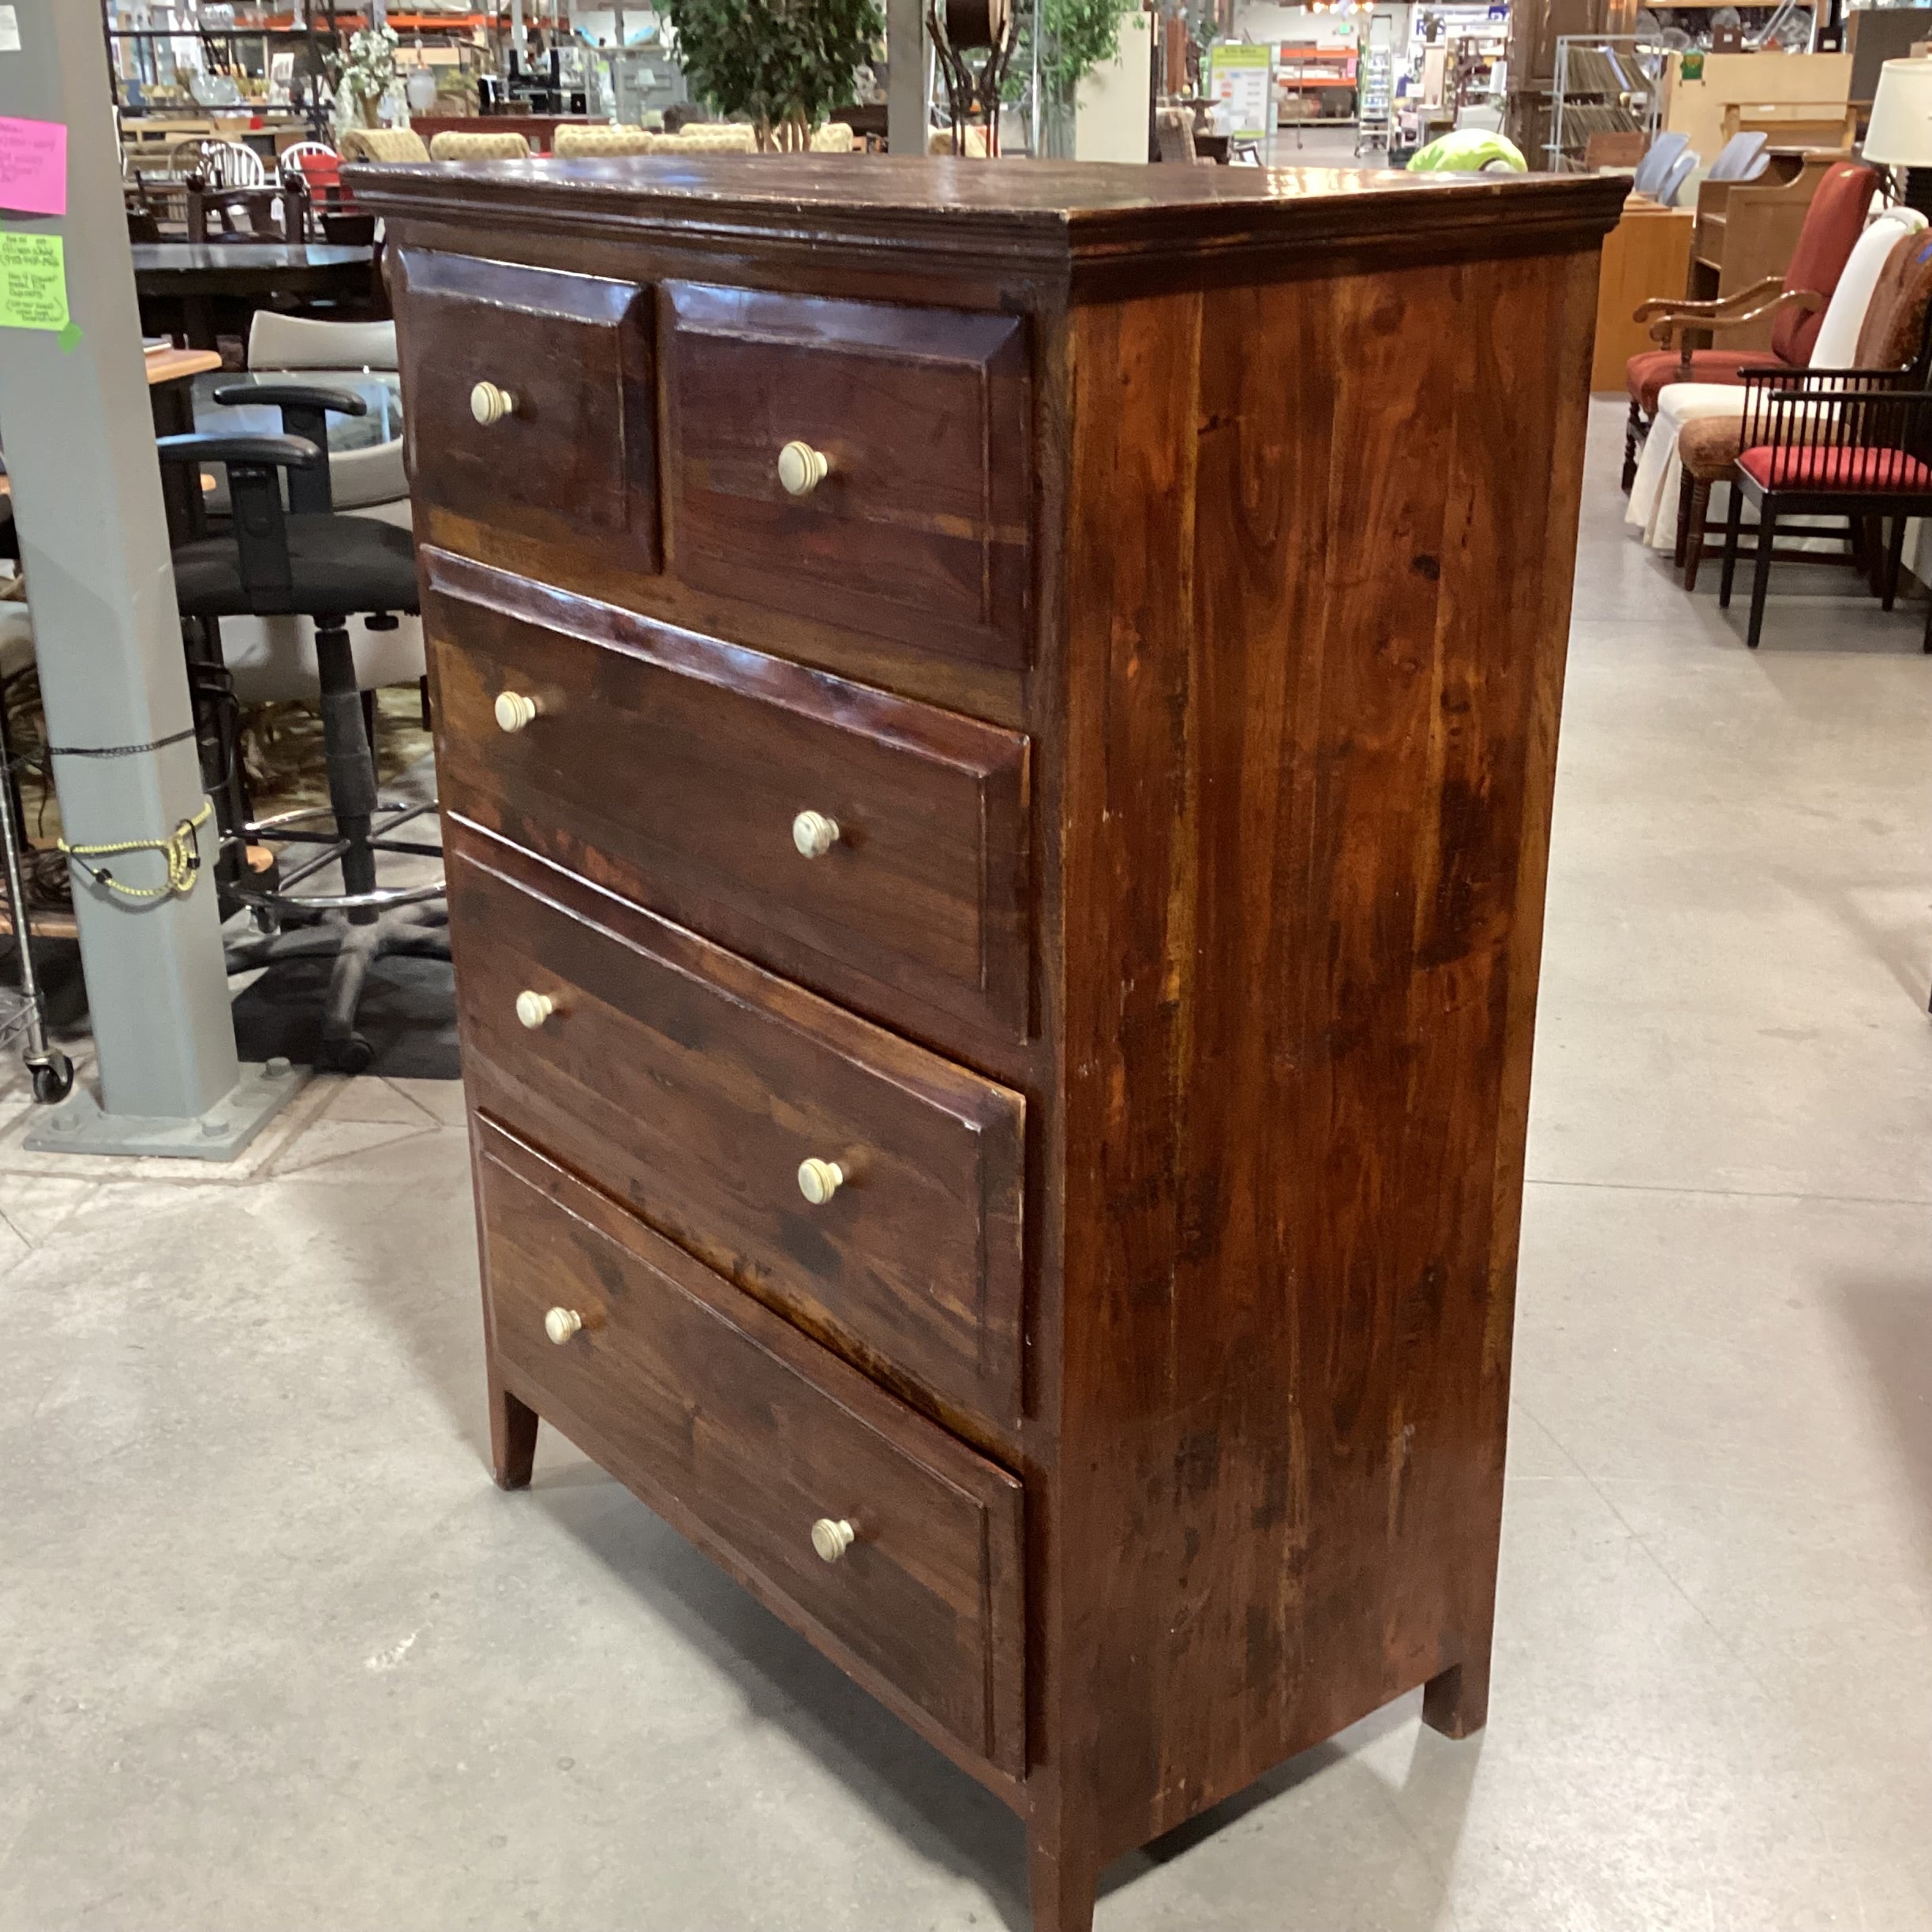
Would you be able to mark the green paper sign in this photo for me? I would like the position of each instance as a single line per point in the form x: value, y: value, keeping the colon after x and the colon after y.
x: 33, y: 281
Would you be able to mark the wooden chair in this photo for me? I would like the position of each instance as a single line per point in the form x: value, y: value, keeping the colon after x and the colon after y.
x: 1796, y: 299
x: 1894, y: 348
x: 1838, y: 444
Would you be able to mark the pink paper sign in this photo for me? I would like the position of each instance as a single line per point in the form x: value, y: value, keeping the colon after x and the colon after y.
x: 33, y: 165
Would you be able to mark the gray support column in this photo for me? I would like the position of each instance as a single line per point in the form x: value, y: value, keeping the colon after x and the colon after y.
x: 905, y: 87
x: 79, y: 437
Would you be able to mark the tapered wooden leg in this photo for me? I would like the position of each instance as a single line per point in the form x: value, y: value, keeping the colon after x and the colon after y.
x: 512, y: 1438
x: 1733, y: 528
x: 1456, y: 1701
x: 1063, y: 1879
x: 1693, y: 530
x: 1760, y: 569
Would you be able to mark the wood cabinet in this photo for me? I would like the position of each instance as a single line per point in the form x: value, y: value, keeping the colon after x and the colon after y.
x: 996, y: 734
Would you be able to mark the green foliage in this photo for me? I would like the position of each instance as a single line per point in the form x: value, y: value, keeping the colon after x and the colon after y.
x: 1079, y: 36
x: 781, y: 62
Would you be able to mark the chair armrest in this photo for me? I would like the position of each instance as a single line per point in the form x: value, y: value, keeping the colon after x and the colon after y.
x: 1805, y: 300
x: 299, y: 395
x: 1684, y: 305
x: 273, y: 452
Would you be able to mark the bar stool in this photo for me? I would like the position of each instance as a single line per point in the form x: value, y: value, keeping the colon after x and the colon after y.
x: 308, y: 560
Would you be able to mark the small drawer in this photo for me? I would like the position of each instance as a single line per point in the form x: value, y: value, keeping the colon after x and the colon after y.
x: 767, y: 1452
x: 697, y: 1089
x: 904, y: 510
x: 528, y: 403
x: 872, y: 847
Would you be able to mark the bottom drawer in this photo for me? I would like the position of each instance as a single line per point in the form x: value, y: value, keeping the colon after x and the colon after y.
x: 760, y: 1445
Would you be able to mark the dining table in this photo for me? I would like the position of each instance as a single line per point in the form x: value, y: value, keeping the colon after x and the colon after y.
x: 185, y: 286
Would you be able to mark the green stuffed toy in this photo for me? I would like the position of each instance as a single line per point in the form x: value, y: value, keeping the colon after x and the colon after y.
x: 1469, y: 151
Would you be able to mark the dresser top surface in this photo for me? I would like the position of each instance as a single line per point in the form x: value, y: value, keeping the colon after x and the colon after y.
x: 1042, y: 209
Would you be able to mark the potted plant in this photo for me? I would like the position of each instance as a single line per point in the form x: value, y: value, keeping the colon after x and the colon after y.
x: 782, y: 64
x: 363, y: 75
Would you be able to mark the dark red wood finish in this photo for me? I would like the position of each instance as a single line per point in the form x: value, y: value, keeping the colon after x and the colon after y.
x: 731, y: 1423
x: 577, y: 459
x: 919, y: 533
x: 691, y: 1085
x: 671, y: 766
x: 1306, y: 456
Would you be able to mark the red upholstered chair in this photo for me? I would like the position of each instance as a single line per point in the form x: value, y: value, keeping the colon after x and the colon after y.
x: 1832, y: 225
x: 1832, y: 444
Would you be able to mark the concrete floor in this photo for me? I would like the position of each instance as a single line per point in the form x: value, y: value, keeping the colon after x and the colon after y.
x: 273, y: 1653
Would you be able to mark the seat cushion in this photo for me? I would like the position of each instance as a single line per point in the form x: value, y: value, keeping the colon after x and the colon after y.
x: 1836, y: 468
x: 1708, y: 447
x: 342, y: 565
x: 1652, y: 371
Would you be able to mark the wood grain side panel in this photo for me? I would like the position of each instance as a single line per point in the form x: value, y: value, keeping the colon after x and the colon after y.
x: 691, y: 1085
x: 743, y: 1433
x: 1309, y: 767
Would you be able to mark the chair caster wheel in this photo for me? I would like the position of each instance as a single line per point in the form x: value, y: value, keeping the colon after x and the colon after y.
x: 53, y: 1079
x: 352, y: 1054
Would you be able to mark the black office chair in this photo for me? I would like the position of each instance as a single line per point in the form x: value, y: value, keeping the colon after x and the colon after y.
x: 306, y: 560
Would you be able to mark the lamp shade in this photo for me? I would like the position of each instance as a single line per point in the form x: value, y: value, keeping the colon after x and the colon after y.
x: 1900, y: 134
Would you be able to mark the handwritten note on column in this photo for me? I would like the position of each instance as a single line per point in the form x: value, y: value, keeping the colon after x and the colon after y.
x: 33, y: 165
x: 33, y: 281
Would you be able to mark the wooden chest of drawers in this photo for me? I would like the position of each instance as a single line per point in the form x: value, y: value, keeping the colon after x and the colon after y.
x: 996, y: 727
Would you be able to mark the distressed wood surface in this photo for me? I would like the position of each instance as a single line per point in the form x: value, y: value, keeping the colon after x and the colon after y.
x: 743, y: 1434
x: 1262, y: 809
x: 691, y: 1085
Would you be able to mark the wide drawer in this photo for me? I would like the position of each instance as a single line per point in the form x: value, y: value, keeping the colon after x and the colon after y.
x: 696, y: 1089
x: 917, y: 530
x: 560, y: 443
x: 688, y: 774
x: 750, y: 1439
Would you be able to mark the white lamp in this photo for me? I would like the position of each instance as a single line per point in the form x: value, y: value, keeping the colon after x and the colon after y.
x: 1900, y: 133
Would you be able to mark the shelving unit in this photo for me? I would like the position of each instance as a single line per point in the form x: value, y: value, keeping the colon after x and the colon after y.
x: 1314, y: 83
x: 1605, y: 83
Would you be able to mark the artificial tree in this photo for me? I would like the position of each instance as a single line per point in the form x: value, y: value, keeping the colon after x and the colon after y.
x: 783, y: 63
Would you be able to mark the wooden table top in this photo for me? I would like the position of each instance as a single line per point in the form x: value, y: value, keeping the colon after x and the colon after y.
x: 167, y: 366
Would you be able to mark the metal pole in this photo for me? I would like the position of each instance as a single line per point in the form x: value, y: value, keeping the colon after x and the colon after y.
x: 905, y: 85
x: 88, y: 507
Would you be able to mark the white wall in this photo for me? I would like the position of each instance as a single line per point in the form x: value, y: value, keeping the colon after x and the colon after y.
x: 1111, y: 106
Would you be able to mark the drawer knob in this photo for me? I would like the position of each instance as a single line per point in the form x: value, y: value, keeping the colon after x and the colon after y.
x: 814, y: 834
x: 801, y: 468
x: 489, y: 404
x: 819, y: 1180
x: 534, y: 1008
x: 561, y: 1324
x: 513, y: 711
x: 833, y: 1539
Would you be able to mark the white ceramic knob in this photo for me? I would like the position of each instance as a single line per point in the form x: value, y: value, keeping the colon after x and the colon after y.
x: 833, y: 1539
x: 814, y: 834
x: 561, y: 1324
x: 819, y: 1180
x: 534, y: 1008
x: 489, y: 404
x: 513, y: 711
x: 801, y: 468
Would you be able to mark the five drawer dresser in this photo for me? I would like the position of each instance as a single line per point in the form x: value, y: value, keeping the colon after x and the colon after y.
x: 996, y: 726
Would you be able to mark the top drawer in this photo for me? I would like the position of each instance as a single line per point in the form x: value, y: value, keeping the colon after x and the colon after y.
x: 917, y: 529
x: 560, y: 445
